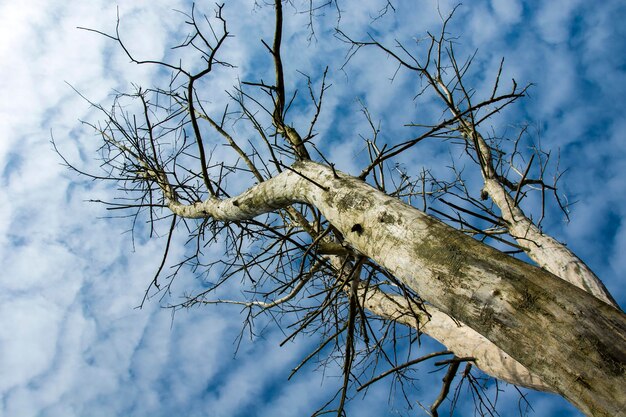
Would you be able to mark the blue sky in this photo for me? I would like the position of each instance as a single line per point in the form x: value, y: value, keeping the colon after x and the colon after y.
x: 72, y: 342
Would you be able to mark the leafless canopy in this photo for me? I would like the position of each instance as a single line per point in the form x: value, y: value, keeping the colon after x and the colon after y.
x: 163, y: 147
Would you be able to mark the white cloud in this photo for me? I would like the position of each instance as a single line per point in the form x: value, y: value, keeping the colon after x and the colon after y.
x: 553, y: 20
x: 72, y: 343
x: 510, y: 11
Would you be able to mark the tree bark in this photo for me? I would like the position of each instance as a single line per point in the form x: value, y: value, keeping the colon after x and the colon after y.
x: 456, y: 336
x: 547, y: 252
x: 571, y: 340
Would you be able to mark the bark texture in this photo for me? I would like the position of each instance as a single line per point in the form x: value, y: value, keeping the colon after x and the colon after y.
x: 571, y: 340
x: 456, y: 336
x: 459, y: 338
x: 547, y: 252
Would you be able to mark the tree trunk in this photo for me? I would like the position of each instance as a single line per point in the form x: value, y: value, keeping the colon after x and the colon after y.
x: 571, y: 340
x: 456, y: 336
x: 546, y: 251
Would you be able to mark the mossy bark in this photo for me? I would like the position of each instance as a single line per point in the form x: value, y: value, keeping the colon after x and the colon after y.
x: 572, y: 341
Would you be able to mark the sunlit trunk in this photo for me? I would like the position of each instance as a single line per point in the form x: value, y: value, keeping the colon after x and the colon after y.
x: 569, y: 339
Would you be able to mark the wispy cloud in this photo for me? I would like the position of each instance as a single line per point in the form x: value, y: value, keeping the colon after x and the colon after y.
x: 72, y: 342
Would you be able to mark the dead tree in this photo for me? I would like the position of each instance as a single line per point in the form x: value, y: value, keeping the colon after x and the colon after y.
x: 349, y: 258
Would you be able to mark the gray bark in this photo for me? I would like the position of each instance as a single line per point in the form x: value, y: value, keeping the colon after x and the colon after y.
x: 456, y: 336
x: 546, y: 251
x: 572, y: 341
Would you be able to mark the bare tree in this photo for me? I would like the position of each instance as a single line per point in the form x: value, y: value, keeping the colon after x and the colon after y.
x: 354, y: 259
